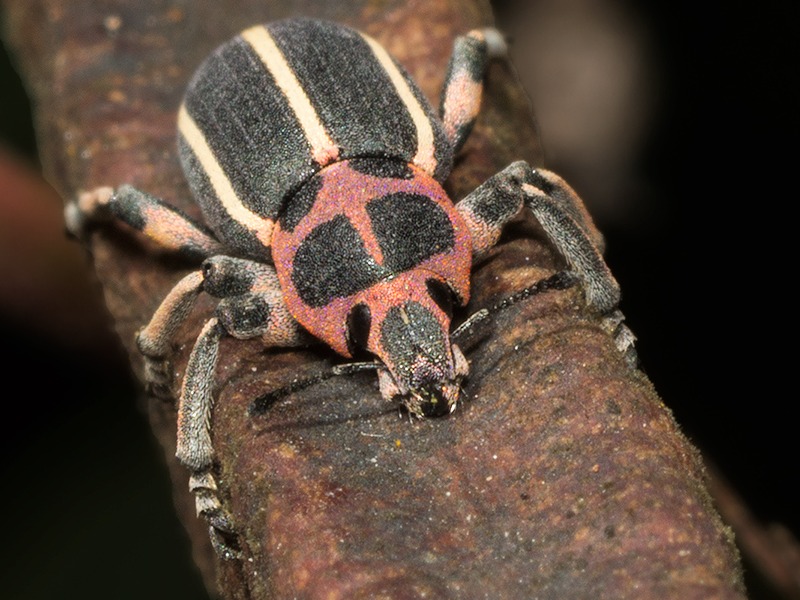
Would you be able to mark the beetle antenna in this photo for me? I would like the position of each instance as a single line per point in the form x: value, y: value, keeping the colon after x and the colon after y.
x: 560, y: 281
x: 260, y: 405
x: 467, y: 330
x: 466, y: 327
x: 355, y: 367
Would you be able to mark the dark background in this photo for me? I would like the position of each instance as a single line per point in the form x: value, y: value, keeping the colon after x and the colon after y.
x: 698, y: 226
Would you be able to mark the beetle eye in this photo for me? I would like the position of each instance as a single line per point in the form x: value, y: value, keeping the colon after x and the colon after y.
x: 441, y: 293
x: 358, y: 324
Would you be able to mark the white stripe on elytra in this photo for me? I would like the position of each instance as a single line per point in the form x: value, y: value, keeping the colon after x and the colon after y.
x: 323, y: 149
x: 424, y: 157
x: 261, y: 227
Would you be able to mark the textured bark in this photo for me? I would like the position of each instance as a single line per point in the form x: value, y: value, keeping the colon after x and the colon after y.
x: 562, y: 474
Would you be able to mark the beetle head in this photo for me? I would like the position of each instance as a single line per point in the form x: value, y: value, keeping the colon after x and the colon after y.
x: 405, y: 322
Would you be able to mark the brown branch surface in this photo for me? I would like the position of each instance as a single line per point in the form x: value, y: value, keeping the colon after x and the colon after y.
x: 561, y: 476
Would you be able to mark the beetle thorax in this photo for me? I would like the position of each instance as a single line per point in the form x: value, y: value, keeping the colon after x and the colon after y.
x: 380, y: 239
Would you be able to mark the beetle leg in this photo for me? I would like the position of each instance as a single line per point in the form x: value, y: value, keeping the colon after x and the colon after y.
x: 252, y: 302
x: 258, y: 314
x: 154, y: 339
x: 251, y: 306
x: 559, y: 211
x: 463, y: 84
x: 168, y: 226
x: 488, y: 208
x: 195, y: 450
x: 563, y: 216
x: 207, y: 503
x: 194, y: 413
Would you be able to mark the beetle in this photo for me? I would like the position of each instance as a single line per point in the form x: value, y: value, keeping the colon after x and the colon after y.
x: 318, y: 165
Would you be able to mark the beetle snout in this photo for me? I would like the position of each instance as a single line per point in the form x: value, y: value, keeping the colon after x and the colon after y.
x: 434, y: 403
x: 434, y: 397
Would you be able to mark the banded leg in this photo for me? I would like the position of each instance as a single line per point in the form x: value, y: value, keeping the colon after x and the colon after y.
x: 559, y: 211
x: 195, y: 450
x: 564, y: 218
x: 154, y: 339
x: 166, y: 225
x: 463, y: 84
x: 252, y: 303
x: 251, y: 306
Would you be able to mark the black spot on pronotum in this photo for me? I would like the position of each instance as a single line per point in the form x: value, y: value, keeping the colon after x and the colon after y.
x: 332, y: 262
x: 441, y: 294
x: 410, y: 228
x: 359, y: 321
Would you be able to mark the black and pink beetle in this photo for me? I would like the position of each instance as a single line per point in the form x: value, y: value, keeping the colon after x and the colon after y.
x: 318, y: 165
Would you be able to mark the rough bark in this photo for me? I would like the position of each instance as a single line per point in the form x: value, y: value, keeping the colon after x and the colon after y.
x: 562, y: 474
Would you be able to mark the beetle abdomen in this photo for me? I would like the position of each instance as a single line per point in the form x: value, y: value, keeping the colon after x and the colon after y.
x: 277, y: 103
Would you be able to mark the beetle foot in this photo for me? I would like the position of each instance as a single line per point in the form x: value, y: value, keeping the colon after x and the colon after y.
x: 87, y: 208
x: 158, y: 377
x: 157, y: 370
x: 614, y: 324
x: 208, y: 505
x: 496, y: 43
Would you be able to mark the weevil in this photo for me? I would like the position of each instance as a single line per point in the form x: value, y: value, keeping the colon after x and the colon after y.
x: 318, y: 165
